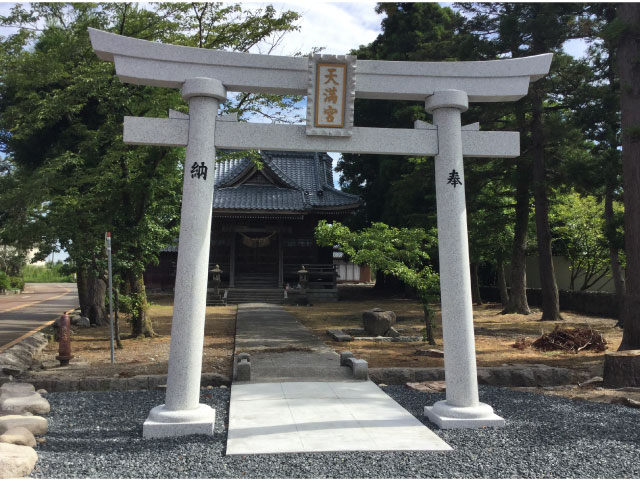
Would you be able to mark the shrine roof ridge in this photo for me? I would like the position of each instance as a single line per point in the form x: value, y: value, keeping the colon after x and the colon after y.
x: 308, y: 187
x: 151, y: 63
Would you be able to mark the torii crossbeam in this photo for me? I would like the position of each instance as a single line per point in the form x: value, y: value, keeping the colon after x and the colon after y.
x: 205, y: 76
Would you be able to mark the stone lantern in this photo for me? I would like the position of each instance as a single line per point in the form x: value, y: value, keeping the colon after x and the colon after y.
x: 303, y: 279
x: 215, y: 279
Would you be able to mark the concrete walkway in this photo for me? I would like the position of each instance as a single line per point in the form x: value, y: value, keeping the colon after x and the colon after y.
x: 300, y: 399
x: 282, y: 349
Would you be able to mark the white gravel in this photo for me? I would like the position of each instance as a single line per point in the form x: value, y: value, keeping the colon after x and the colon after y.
x: 99, y: 435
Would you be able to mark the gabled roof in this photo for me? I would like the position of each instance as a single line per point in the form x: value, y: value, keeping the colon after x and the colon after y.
x: 288, y: 181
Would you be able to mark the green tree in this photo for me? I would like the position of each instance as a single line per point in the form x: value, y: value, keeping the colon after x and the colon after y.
x: 595, y: 107
x: 71, y: 178
x: 402, y: 253
x: 581, y: 230
x: 413, y: 32
x: 12, y: 260
x: 530, y: 29
x: 628, y: 27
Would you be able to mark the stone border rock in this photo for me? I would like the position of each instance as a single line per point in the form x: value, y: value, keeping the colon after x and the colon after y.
x: 536, y: 375
x: 156, y: 381
x: 359, y: 367
x: 19, y: 357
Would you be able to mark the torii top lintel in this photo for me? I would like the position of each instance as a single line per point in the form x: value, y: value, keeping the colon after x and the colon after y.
x: 151, y: 63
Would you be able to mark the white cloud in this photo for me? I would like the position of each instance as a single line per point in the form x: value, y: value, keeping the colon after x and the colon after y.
x: 338, y: 27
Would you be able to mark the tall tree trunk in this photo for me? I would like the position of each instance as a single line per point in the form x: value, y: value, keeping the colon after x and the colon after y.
x: 614, y: 257
x: 96, y: 295
x: 141, y: 325
x: 550, y: 303
x: 517, y: 303
x: 475, y: 287
x: 83, y: 294
x: 629, y: 72
x: 614, y: 167
x: 92, y: 292
x: 502, y: 285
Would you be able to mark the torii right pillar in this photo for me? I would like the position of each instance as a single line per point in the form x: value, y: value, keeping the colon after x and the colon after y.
x: 462, y: 408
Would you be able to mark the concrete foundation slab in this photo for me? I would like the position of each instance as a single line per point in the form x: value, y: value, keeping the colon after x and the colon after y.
x: 291, y: 417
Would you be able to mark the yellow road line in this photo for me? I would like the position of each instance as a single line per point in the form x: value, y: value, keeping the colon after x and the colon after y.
x: 37, y: 302
x: 30, y: 333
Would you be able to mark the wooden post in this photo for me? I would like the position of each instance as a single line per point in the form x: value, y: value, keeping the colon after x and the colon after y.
x: 280, y: 260
x: 232, y: 261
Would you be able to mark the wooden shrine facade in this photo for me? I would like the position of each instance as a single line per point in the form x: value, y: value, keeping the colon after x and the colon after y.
x: 263, y: 223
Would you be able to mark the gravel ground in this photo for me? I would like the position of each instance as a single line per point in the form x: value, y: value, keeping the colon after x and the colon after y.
x: 99, y: 435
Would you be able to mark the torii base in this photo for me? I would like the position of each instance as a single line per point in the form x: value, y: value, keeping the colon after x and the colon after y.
x: 450, y: 417
x: 163, y: 423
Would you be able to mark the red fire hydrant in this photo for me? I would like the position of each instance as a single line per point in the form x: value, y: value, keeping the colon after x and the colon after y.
x: 64, y: 339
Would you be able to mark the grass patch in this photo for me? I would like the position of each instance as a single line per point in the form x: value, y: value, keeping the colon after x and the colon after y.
x: 48, y: 273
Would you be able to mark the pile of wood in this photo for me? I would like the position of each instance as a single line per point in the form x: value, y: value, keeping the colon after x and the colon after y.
x: 573, y: 340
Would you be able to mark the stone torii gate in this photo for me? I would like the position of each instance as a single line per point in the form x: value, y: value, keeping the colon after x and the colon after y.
x: 331, y: 83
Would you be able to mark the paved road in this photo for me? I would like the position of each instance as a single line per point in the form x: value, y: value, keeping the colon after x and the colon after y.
x: 36, y: 306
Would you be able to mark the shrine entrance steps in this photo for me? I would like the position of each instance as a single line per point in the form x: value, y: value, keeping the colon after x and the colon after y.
x: 256, y: 281
x: 237, y: 295
x: 300, y: 399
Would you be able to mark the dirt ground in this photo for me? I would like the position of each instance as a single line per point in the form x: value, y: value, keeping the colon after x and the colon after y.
x: 495, y: 334
x: 90, y: 346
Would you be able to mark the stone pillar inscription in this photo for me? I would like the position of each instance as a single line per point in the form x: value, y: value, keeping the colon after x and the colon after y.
x: 462, y: 407
x: 182, y: 412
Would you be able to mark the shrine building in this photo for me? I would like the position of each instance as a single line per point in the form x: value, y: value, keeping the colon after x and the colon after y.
x: 263, y: 227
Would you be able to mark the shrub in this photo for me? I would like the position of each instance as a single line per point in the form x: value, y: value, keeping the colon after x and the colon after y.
x: 4, y: 282
x: 16, y: 283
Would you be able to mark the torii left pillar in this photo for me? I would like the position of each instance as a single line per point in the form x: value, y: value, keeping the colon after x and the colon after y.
x: 462, y: 408
x: 182, y: 413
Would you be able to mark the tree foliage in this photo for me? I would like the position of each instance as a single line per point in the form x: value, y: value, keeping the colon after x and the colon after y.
x: 400, y: 252
x: 580, y: 228
x: 70, y: 178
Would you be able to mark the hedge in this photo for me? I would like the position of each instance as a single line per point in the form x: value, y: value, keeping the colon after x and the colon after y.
x: 594, y: 303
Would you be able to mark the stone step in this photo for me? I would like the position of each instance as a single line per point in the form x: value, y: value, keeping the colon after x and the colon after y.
x: 253, y: 298
x: 216, y: 303
x: 241, y: 296
x: 244, y: 295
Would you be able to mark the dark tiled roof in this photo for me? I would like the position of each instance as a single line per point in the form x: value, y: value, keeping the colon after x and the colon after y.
x: 305, y: 183
x: 257, y: 197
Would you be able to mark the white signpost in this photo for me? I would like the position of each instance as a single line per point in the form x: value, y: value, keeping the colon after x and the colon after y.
x: 206, y: 75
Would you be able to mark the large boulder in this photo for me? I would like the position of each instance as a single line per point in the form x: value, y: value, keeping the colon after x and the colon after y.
x: 35, y: 424
x: 19, y: 435
x: 16, y: 461
x: 16, y: 389
x: 80, y: 321
x: 33, y: 403
x: 377, y: 321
